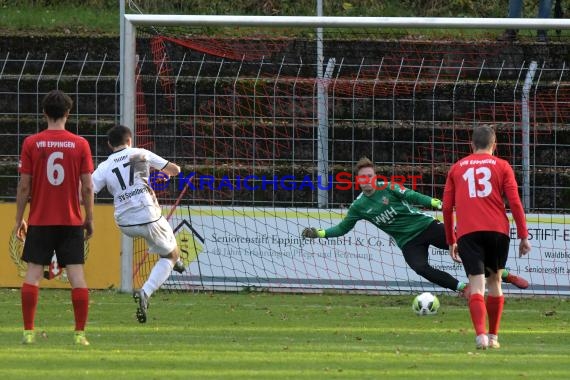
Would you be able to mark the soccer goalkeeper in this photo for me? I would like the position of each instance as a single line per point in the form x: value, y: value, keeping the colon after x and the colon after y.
x: 389, y: 207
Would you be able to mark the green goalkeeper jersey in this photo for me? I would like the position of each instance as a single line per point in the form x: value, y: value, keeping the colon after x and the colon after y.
x: 390, y: 209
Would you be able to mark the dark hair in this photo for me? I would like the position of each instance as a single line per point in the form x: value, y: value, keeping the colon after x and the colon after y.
x: 56, y: 103
x: 118, y: 135
x: 483, y: 137
x: 364, y: 162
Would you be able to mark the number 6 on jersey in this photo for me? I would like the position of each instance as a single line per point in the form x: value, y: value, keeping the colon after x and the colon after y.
x: 55, y: 172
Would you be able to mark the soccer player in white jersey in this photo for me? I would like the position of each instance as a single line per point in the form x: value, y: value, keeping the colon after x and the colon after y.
x: 137, y: 212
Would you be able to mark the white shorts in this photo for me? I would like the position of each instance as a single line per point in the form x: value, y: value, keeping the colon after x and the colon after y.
x: 158, y: 235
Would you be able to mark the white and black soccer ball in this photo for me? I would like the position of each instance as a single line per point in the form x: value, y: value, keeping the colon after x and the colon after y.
x: 425, y: 304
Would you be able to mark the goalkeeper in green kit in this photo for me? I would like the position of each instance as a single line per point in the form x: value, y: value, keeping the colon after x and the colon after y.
x: 389, y: 206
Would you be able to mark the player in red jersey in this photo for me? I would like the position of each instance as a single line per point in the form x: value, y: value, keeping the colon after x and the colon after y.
x: 54, y: 164
x: 475, y: 187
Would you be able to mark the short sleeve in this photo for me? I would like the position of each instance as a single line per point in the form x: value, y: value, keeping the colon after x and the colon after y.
x: 87, y: 159
x: 25, y: 164
x: 156, y: 161
x: 98, y: 179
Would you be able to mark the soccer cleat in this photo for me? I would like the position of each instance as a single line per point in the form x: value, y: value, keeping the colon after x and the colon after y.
x: 29, y: 337
x: 80, y: 339
x: 141, y: 298
x: 482, y: 342
x: 179, y: 267
x: 517, y: 281
x: 465, y: 292
x: 493, y: 341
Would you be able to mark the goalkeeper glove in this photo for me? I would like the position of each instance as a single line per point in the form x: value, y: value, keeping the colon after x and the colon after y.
x: 313, y: 233
x: 436, y: 203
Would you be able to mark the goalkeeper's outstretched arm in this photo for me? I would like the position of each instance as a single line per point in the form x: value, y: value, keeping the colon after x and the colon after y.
x: 340, y: 229
x: 413, y: 196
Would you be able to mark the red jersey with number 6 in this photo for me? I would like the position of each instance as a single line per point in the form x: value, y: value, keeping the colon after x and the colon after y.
x: 475, y: 186
x: 55, y: 159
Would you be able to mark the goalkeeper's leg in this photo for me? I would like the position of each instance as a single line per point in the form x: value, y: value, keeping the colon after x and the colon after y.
x: 517, y: 281
x: 417, y: 259
x: 416, y: 253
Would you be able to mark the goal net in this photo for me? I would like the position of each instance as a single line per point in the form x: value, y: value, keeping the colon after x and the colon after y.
x: 267, y: 128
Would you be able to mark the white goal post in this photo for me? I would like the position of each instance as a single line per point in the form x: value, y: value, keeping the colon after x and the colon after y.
x: 128, y: 62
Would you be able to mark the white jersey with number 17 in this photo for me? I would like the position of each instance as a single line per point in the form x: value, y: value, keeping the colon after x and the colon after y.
x: 125, y: 174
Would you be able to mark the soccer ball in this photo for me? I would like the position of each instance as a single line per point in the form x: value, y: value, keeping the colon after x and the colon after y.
x: 425, y: 304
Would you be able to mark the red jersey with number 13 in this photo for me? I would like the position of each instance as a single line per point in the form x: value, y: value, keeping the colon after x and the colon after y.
x: 475, y: 186
x: 55, y: 159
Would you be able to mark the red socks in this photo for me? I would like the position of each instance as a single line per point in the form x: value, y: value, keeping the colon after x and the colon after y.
x: 29, y: 296
x: 80, y: 301
x: 478, y: 313
x: 479, y: 309
x: 495, y: 311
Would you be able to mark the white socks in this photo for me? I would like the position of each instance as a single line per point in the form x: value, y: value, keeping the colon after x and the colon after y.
x: 158, y: 275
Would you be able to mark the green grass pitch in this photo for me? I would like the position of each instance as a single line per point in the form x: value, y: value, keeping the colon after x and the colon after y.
x: 281, y: 336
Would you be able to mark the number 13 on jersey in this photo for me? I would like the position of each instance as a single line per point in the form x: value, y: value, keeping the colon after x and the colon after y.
x: 476, y: 179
